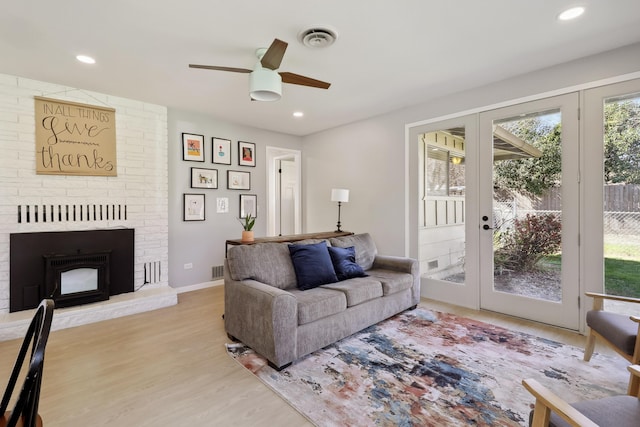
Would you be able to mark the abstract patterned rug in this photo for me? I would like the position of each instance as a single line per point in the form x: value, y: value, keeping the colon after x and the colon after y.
x: 426, y: 368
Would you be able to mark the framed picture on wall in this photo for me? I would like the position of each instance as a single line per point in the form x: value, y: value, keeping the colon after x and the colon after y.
x: 204, y: 178
x: 246, y: 153
x: 193, y: 207
x: 222, y: 205
x: 248, y: 205
x: 238, y: 180
x: 221, y: 149
x: 193, y: 147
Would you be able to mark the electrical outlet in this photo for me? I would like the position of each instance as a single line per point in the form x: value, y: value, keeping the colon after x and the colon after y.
x: 188, y: 266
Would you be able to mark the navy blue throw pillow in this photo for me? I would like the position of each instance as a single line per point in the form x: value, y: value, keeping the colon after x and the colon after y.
x: 312, y: 264
x: 344, y: 263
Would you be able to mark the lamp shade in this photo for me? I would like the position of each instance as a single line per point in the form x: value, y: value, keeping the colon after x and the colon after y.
x: 339, y: 195
x: 265, y: 84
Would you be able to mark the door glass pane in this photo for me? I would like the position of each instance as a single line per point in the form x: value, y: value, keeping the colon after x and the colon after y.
x: 527, y: 205
x: 442, y: 207
x: 622, y: 198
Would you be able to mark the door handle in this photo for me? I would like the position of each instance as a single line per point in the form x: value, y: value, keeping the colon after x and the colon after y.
x: 486, y: 227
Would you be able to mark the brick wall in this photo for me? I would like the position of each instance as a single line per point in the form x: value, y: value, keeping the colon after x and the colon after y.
x: 136, y: 198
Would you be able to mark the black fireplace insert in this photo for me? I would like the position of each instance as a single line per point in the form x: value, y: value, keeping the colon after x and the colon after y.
x: 75, y: 279
x: 30, y: 253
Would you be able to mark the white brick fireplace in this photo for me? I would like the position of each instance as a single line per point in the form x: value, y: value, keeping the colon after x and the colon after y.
x: 136, y: 198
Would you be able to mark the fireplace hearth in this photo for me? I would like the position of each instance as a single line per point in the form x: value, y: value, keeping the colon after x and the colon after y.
x: 75, y: 267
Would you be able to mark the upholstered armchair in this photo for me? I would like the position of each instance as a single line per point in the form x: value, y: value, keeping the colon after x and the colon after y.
x: 618, y: 330
x: 615, y: 411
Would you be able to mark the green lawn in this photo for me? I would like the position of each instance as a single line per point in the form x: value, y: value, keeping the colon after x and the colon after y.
x: 621, y: 267
x: 622, y: 276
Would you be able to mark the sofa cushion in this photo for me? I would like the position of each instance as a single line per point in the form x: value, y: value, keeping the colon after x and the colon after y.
x: 312, y: 264
x: 344, y: 262
x: 316, y: 303
x: 268, y: 263
x: 364, y: 245
x: 358, y: 289
x: 392, y: 281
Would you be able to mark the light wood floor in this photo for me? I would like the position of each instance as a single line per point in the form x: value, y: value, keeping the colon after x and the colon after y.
x: 170, y: 367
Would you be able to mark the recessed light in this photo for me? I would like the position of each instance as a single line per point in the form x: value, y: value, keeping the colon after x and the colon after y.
x: 570, y: 14
x: 86, y: 59
x: 298, y: 114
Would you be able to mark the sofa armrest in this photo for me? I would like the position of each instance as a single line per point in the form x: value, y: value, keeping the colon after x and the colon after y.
x: 396, y: 263
x: 263, y: 317
x: 404, y: 265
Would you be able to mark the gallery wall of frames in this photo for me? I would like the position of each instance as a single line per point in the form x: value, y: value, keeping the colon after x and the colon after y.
x: 218, y: 164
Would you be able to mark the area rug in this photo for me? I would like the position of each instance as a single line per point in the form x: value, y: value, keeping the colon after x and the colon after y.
x: 426, y: 368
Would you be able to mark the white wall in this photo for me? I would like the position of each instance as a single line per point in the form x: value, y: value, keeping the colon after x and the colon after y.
x: 141, y: 183
x: 201, y: 243
x: 370, y: 159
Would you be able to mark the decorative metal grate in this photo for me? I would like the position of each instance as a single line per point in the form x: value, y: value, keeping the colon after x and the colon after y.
x: 71, y: 213
x: 152, y: 272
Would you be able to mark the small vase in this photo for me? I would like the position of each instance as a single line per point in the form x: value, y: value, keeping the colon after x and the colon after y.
x: 247, y: 236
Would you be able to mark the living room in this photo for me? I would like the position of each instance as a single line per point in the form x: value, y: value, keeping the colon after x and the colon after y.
x: 369, y: 154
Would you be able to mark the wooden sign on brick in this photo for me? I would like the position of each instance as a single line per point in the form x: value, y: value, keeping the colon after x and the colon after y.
x: 74, y: 138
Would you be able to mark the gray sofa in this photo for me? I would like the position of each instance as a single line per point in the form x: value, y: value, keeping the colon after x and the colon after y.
x: 265, y: 309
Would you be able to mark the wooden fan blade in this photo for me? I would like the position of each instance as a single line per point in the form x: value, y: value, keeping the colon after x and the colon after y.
x: 297, y: 79
x: 213, y: 67
x: 273, y: 56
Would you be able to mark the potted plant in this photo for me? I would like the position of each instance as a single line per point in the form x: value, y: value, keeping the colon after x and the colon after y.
x: 247, y: 225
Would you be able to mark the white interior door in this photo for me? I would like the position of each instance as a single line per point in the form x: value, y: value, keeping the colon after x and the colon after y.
x: 528, y: 218
x: 284, y: 194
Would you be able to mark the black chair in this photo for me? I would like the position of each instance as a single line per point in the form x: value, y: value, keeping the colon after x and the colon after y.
x: 25, y: 410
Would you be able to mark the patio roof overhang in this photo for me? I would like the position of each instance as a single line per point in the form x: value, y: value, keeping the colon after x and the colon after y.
x: 506, y: 146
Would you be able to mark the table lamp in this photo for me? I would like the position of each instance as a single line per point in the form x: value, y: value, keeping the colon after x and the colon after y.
x: 339, y: 195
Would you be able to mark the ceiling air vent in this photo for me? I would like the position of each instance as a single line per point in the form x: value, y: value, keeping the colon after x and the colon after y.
x: 318, y: 37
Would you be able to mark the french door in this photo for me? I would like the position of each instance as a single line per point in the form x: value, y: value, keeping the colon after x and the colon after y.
x: 528, y: 210
x: 499, y: 210
x: 611, y: 205
x: 448, y: 189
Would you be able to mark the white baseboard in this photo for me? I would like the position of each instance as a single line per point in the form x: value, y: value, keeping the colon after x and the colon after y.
x: 198, y: 286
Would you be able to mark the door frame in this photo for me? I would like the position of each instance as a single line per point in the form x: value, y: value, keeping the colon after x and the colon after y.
x: 273, y: 155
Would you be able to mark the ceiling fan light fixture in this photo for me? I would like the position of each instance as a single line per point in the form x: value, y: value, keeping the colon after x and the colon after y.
x: 265, y: 84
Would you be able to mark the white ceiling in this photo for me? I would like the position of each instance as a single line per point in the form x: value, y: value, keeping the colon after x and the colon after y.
x: 389, y: 54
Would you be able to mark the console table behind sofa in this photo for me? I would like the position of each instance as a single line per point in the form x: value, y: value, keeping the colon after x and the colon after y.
x: 290, y: 238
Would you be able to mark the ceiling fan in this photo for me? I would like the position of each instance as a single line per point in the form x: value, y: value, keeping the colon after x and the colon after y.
x: 265, y: 81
